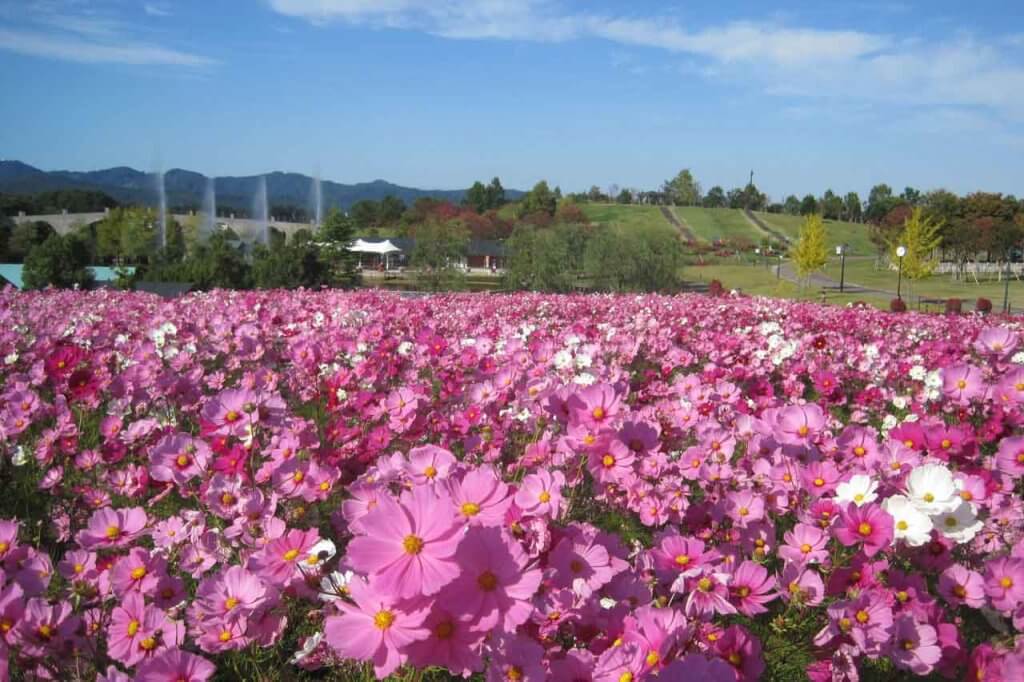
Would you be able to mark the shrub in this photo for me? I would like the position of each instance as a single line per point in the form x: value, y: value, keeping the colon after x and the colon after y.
x: 897, y: 305
x: 953, y: 306
x: 716, y: 288
x: 983, y: 305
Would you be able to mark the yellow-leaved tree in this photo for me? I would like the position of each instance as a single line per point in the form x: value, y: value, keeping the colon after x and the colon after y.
x: 921, y: 237
x: 810, y: 253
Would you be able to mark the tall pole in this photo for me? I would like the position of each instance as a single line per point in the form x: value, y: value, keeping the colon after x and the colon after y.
x: 842, y: 270
x: 1006, y: 288
x: 899, y: 281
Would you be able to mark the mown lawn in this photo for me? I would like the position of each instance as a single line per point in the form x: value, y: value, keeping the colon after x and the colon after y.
x: 838, y: 232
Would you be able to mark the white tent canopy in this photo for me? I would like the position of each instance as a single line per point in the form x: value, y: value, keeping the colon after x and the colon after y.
x: 380, y: 248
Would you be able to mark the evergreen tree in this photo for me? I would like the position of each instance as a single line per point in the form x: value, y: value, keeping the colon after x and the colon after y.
x: 810, y: 253
x: 336, y: 234
x: 58, y: 261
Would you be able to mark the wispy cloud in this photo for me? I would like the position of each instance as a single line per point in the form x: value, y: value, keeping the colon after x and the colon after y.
x: 777, y: 57
x: 155, y: 10
x: 70, y: 30
x: 78, y: 50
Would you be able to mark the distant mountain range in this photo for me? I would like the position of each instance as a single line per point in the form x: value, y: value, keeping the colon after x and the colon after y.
x: 185, y: 189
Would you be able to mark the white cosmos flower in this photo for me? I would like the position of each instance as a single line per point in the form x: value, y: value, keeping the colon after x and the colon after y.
x: 959, y: 525
x: 404, y: 347
x: 909, y: 524
x: 321, y: 552
x: 335, y: 585
x: 932, y: 489
x: 584, y: 379
x: 860, y: 489
x: 308, y: 647
x: 562, y: 359
x: 20, y: 457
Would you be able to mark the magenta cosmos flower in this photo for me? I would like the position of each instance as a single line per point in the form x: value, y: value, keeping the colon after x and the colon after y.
x: 377, y: 628
x: 108, y: 528
x: 868, y: 526
x: 175, y: 666
x: 751, y: 587
x: 915, y: 646
x: 480, y: 498
x: 1004, y: 582
x: 593, y: 406
x: 283, y: 559
x: 799, y: 424
x: 409, y: 546
x: 179, y: 458
x: 805, y: 544
x: 1010, y: 456
x: 231, y: 413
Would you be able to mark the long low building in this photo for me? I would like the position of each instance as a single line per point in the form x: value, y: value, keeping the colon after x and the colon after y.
x: 480, y: 253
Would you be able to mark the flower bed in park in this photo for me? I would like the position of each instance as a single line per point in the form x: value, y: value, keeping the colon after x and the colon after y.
x: 282, y: 485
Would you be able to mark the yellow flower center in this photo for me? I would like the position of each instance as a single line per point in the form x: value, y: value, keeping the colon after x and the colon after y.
x: 225, y: 636
x: 182, y: 461
x: 859, y: 451
x: 230, y: 603
x: 231, y: 416
x: 513, y: 674
x: 139, y: 573
x: 79, y: 568
x: 682, y: 559
x: 598, y: 413
x: 743, y: 591
x: 743, y: 511
x: 626, y: 677
x: 908, y: 644
x: 290, y: 555
x: 444, y: 629
x: 864, y: 529
x: 544, y: 496
x: 805, y: 548
x: 298, y: 476
x: 946, y: 443
x: 383, y: 619
x: 113, y: 532
x: 133, y: 627
x: 45, y: 631
x: 608, y: 461
x: 819, y: 481
x: 704, y: 584
x: 148, y: 644
x: 845, y: 624
x: 862, y: 616
x: 960, y: 591
x: 803, y: 430
x: 652, y: 658
x: 961, y: 384
x: 902, y: 525
x: 950, y: 522
x: 470, y: 509
x: 928, y: 497
x: 227, y: 498
x: 325, y: 486
x: 735, y: 658
x: 1006, y: 582
x: 430, y: 472
x: 412, y: 544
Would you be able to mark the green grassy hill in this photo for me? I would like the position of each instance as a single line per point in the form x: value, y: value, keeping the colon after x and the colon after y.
x: 625, y: 215
x: 838, y: 232
x: 712, y: 224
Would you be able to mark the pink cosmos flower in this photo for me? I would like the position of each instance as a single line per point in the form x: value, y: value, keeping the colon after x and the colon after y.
x: 1004, y: 582
x: 1010, y: 456
x: 582, y: 563
x: 656, y: 631
x: 179, y: 458
x: 282, y: 560
x: 805, y: 544
x: 452, y: 644
x: 821, y: 478
x: 46, y: 628
x: 801, y: 585
x: 867, y: 525
x: 429, y: 463
x: 175, y: 665
x: 108, y: 528
x: 743, y: 651
x: 409, y: 546
x: 699, y: 667
x: 611, y: 463
x: 708, y: 594
x: 138, y: 631
x: 541, y: 494
x: 594, y: 406
x: 750, y: 587
x: 960, y: 585
x: 516, y: 658
x: 480, y: 498
x: 377, y: 628
x: 914, y: 646
x: 799, y: 424
x: 493, y: 587
x: 997, y: 341
x: 232, y: 594
x: 676, y: 555
x: 962, y: 383
x: 137, y: 572
x: 744, y: 507
x: 231, y: 413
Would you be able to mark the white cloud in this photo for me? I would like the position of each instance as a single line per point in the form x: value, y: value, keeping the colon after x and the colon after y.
x: 78, y: 50
x: 86, y: 32
x: 778, y: 58
x: 155, y: 10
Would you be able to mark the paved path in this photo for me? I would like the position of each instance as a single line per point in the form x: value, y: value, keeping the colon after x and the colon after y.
x: 821, y: 280
x: 684, y: 230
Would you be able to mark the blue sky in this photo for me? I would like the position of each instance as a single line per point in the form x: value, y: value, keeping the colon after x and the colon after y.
x: 438, y: 93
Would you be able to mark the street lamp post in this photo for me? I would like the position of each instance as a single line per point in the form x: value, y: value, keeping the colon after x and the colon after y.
x: 901, y: 251
x: 1006, y: 287
x: 841, y: 252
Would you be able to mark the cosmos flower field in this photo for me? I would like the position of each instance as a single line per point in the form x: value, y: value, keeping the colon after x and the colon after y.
x: 347, y: 486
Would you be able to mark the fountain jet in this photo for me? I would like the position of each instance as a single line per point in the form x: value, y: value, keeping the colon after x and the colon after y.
x: 209, y: 210
x: 161, y: 216
x: 318, y: 199
x: 260, y: 210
